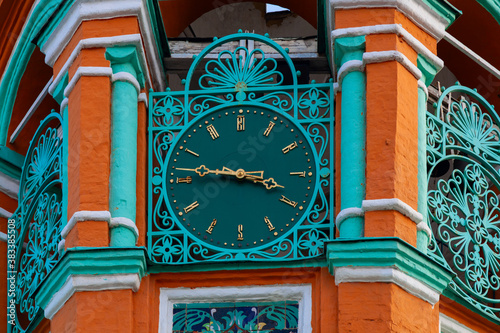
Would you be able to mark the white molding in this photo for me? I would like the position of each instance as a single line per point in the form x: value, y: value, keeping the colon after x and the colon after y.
x: 76, y: 283
x: 143, y: 98
x: 349, y: 67
x: 391, y: 29
x: 5, y: 213
x: 85, y: 215
x: 387, y: 275
x: 61, y: 245
x: 392, y: 204
x: 416, y: 10
x: 3, y: 237
x: 9, y: 185
x: 473, y: 55
x: 84, y: 10
x: 281, y: 292
x: 384, y: 56
x: 64, y: 104
x: 124, y: 222
x: 98, y: 42
x: 86, y: 71
x: 422, y: 86
x: 127, y: 77
x: 450, y: 325
x: 422, y: 226
x: 347, y: 213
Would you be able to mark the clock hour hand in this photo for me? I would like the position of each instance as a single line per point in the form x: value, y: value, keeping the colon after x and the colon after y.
x: 268, y: 183
x: 203, y: 170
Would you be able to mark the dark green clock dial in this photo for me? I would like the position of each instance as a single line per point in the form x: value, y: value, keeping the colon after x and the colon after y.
x: 240, y: 178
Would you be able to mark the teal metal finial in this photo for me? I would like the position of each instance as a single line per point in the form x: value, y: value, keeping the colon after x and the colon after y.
x: 240, y: 31
x: 151, y: 90
x: 457, y: 83
x: 443, y: 88
x: 313, y: 81
x: 266, y: 35
x: 435, y: 105
x: 183, y: 81
x: 168, y: 89
x: 287, y: 50
x: 215, y: 38
x: 299, y: 73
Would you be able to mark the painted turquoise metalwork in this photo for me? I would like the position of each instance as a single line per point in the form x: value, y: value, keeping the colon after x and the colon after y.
x: 353, y: 135
x: 493, y: 7
x: 388, y: 252
x: 92, y: 261
x: 240, y: 82
x: 38, y: 221
x: 463, y: 208
x: 122, y: 178
x: 265, y: 317
x: 428, y: 73
x: 19, y: 60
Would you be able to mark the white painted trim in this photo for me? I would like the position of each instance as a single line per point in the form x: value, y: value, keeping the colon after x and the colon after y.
x: 85, y: 215
x: 64, y: 104
x: 349, y: 67
x: 416, y: 10
x: 31, y: 111
x: 347, y: 213
x: 3, y: 237
x: 387, y: 275
x: 76, y: 283
x: 422, y: 226
x: 143, y: 98
x: 9, y: 185
x: 281, y: 292
x: 392, y: 204
x: 97, y: 42
x: 473, y: 55
x: 422, y: 86
x: 391, y: 29
x: 61, y: 245
x: 384, y: 56
x: 450, y: 325
x: 127, y: 77
x: 124, y: 222
x: 5, y: 213
x: 336, y: 88
x: 86, y: 71
x: 84, y: 10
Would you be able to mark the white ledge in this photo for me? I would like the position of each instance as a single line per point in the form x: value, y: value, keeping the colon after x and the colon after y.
x: 347, y: 213
x: 3, y: 237
x: 392, y: 204
x: 349, y: 67
x: 5, y: 213
x: 416, y: 10
x: 387, y: 275
x: 384, y: 56
x: 422, y: 226
x: 86, y: 71
x: 9, y: 185
x: 124, y: 222
x: 450, y: 325
x: 422, y: 86
x: 391, y: 29
x: 85, y: 215
x: 127, y: 77
x: 76, y: 283
x: 143, y: 98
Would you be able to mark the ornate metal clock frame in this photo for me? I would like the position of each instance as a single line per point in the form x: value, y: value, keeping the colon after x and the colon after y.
x: 240, y: 82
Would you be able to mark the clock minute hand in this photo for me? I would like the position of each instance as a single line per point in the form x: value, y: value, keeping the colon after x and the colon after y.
x: 268, y: 183
x: 202, y: 170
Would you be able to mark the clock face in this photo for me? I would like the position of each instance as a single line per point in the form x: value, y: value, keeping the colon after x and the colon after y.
x: 240, y: 178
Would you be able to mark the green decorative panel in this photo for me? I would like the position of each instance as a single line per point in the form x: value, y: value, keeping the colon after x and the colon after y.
x: 463, y: 157
x: 240, y: 164
x: 262, y: 317
x: 37, y: 223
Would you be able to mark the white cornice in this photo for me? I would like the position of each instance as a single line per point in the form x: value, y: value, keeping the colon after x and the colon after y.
x: 396, y: 29
x: 143, y: 98
x: 387, y: 275
x: 450, y: 325
x: 127, y: 77
x: 97, y: 42
x: 347, y: 213
x: 349, y: 67
x: 86, y: 71
x: 76, y: 283
x: 85, y: 10
x: 9, y: 185
x: 124, y: 222
x: 384, y: 56
x: 85, y: 215
x: 416, y: 10
x: 392, y: 204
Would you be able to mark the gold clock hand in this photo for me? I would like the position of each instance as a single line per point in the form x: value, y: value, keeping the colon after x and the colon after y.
x: 202, y: 170
x: 240, y: 173
x: 268, y: 183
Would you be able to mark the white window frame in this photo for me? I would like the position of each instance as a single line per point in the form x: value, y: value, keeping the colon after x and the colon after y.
x: 270, y: 293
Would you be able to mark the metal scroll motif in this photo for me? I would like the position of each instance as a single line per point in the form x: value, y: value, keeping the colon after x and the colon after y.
x: 262, y: 317
x: 37, y: 221
x: 463, y: 157
x: 240, y: 78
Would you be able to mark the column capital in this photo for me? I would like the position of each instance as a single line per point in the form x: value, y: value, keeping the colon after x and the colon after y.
x: 126, y: 59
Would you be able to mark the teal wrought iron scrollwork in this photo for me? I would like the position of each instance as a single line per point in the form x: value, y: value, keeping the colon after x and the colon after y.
x: 37, y: 220
x: 463, y: 157
x: 240, y: 78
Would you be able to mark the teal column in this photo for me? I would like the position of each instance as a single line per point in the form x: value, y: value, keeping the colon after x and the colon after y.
x: 428, y: 73
x: 352, y: 82
x: 127, y: 80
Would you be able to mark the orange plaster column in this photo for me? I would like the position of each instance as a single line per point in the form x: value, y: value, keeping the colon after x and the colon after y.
x: 380, y: 295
